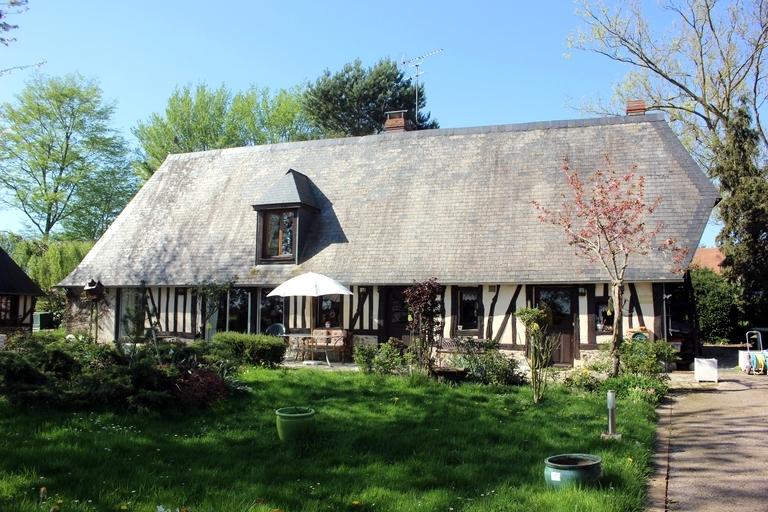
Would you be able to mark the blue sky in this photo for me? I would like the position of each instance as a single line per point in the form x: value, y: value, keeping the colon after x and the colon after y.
x: 503, y: 62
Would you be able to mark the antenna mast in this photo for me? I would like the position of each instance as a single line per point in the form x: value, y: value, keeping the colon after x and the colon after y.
x: 416, y: 63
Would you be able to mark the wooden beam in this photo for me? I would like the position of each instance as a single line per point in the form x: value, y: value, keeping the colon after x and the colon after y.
x: 361, y: 298
x: 591, y: 332
x: 489, y: 327
x: 454, y: 310
x: 634, y: 304
x: 370, y: 308
x: 658, y: 311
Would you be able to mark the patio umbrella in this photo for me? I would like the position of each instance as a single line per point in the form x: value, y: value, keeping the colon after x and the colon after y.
x: 309, y: 285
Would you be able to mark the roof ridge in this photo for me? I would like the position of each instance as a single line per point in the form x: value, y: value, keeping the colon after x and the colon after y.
x: 440, y: 132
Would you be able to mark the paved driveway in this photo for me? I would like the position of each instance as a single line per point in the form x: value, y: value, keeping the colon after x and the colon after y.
x: 712, y: 453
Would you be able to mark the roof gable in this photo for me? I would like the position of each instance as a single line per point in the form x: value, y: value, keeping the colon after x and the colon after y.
x: 13, y: 280
x: 455, y: 204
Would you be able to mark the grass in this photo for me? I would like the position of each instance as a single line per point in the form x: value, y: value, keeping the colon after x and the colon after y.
x: 390, y: 444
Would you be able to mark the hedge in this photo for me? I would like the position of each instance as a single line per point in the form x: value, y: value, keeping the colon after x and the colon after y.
x: 252, y: 348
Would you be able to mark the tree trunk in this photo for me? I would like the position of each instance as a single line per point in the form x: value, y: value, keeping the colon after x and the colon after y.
x: 617, y: 294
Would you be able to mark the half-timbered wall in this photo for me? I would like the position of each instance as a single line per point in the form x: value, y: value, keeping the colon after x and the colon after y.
x: 26, y: 307
x: 360, y: 311
x: 638, y: 313
x: 178, y: 311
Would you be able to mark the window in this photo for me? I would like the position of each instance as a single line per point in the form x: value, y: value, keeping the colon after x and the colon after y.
x: 279, y: 241
x: 8, y: 305
x: 238, y: 310
x: 270, y: 310
x: 330, y: 309
x: 132, y: 318
x: 468, y: 309
x: 603, y: 317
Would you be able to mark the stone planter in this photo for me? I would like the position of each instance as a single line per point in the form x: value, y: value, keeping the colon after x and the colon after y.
x: 572, y: 469
x: 295, y: 423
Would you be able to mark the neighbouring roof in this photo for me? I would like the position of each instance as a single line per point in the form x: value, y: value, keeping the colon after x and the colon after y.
x: 455, y: 204
x: 708, y: 257
x: 13, y: 280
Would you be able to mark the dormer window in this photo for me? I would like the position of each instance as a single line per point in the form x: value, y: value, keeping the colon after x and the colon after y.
x: 286, y: 211
x: 279, y: 234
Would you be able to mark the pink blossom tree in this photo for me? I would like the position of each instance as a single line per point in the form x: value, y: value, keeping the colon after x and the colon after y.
x: 607, y: 220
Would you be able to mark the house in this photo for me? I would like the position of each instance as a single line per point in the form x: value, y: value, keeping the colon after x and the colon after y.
x: 710, y: 258
x: 18, y: 294
x: 380, y: 212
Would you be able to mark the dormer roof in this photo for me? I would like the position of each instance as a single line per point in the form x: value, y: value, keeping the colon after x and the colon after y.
x: 293, y: 189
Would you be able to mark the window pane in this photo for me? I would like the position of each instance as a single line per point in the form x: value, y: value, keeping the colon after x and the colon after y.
x: 468, y: 309
x: 603, y: 318
x: 330, y: 311
x: 6, y: 308
x: 238, y: 310
x: 272, y: 247
x: 286, y: 225
x: 271, y: 310
x: 131, y: 313
x: 221, y: 313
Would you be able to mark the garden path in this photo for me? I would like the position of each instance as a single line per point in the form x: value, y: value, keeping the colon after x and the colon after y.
x: 712, y: 449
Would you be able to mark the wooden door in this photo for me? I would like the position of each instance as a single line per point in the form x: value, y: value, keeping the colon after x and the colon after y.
x: 395, y: 313
x: 561, y: 301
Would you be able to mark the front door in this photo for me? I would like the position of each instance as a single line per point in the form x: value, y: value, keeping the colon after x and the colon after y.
x: 395, y: 313
x: 560, y: 301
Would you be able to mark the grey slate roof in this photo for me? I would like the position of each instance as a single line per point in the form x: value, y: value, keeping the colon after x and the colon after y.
x: 397, y: 207
x: 13, y: 280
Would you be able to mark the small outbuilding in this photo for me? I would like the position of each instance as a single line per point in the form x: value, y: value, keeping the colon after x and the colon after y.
x: 18, y: 294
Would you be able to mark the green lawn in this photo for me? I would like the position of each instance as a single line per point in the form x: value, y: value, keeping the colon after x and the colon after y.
x: 382, y: 444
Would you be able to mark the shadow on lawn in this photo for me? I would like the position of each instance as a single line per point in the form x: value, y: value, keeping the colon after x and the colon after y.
x: 373, y: 435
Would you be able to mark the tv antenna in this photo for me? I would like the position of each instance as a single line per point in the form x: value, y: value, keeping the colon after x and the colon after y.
x: 416, y: 63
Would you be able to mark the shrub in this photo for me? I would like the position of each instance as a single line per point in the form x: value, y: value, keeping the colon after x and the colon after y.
x: 583, y: 379
x: 363, y: 356
x: 200, y: 388
x: 716, y: 306
x: 41, y: 337
x: 485, y: 363
x: 646, y: 358
x: 388, y: 359
x: 251, y: 348
x: 74, y: 372
x: 542, y: 343
x: 636, y: 387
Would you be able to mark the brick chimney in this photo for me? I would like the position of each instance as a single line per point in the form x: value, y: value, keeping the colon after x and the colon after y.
x: 636, y: 107
x: 396, y: 121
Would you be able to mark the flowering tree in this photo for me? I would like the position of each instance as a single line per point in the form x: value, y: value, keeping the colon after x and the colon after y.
x: 606, y: 221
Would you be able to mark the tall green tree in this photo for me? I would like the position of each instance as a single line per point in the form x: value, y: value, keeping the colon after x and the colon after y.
x: 200, y: 118
x: 353, y: 101
x: 47, y: 262
x: 695, y: 69
x: 263, y: 117
x: 58, y: 152
x: 744, y: 212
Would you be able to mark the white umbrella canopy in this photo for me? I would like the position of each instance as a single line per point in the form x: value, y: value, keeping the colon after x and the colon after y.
x: 309, y: 285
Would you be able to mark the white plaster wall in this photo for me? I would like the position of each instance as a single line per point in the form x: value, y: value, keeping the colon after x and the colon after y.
x: 583, y: 321
x: 448, y: 322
